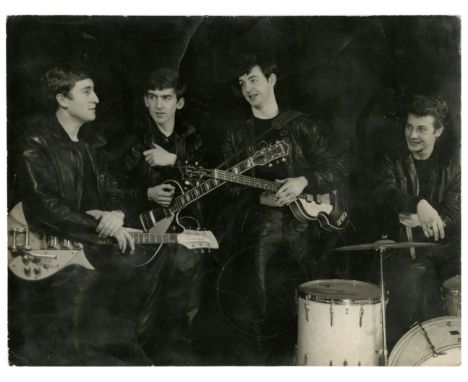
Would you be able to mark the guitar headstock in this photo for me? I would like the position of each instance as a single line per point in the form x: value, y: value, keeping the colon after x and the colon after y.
x: 197, y: 239
x: 270, y: 153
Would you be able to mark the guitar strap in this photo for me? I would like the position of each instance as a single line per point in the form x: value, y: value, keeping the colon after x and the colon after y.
x: 280, y: 121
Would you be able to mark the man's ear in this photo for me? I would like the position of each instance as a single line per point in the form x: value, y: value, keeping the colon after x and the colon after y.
x: 272, y: 79
x: 61, y: 99
x: 438, y: 132
x: 145, y: 100
x: 180, y: 103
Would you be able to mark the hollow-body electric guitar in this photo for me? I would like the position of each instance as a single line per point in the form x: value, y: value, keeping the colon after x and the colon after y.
x: 322, y: 207
x: 36, y: 257
x: 160, y: 219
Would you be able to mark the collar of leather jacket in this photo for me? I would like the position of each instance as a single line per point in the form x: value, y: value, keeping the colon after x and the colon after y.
x: 181, y: 129
x: 86, y: 134
x: 281, y: 120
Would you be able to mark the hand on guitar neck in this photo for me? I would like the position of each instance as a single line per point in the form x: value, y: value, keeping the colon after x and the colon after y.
x: 111, y: 225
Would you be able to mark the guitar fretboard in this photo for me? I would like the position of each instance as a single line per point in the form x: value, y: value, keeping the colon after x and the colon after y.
x: 153, y: 238
x: 264, y: 185
x: 204, y: 188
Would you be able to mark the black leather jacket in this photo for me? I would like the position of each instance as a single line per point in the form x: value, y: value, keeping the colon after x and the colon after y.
x: 309, y: 153
x: 138, y: 175
x: 397, y: 192
x: 51, y: 175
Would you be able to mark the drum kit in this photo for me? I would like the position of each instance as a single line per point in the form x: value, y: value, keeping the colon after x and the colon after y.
x: 342, y: 322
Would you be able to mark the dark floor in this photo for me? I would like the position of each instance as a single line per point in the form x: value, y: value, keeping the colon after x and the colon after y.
x: 224, y: 331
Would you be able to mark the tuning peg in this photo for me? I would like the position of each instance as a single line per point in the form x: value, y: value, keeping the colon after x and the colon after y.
x: 283, y: 159
x: 196, y: 163
x: 270, y: 165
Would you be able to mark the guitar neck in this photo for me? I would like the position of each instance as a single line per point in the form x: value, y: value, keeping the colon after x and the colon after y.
x: 206, y: 187
x: 153, y: 238
x: 147, y: 238
x: 262, y: 184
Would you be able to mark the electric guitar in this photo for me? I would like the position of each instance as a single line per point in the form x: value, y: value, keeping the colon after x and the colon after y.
x: 322, y: 207
x: 159, y: 219
x: 34, y: 257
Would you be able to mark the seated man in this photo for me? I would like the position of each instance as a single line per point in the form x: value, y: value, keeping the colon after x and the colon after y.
x: 66, y: 192
x: 418, y: 196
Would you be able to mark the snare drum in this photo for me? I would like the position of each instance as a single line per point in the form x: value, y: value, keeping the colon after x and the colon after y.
x: 339, y: 323
x: 435, y: 343
x: 451, y: 296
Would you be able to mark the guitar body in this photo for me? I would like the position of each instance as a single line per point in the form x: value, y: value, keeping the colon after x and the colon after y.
x: 30, y: 256
x: 161, y: 219
x: 329, y: 216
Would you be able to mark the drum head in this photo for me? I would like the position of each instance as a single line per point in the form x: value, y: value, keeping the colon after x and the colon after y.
x: 453, y: 285
x: 344, y: 291
x: 414, y: 349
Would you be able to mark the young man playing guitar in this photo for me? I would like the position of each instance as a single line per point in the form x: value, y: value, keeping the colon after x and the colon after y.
x: 67, y: 192
x: 153, y: 175
x: 309, y: 167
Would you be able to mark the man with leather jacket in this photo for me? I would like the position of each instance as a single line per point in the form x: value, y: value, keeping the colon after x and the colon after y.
x: 153, y: 174
x: 67, y: 192
x: 418, y: 196
x: 309, y: 167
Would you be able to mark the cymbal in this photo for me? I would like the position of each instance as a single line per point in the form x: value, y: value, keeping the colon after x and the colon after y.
x: 384, y: 244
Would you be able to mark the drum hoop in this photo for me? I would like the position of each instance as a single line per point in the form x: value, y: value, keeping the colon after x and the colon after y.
x: 445, y: 348
x: 339, y: 301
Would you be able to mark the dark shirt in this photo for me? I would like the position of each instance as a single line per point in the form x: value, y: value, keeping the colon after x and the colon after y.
x: 273, y: 170
x: 424, y: 169
x: 90, y: 196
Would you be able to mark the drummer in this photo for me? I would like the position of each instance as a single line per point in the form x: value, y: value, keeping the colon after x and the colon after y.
x: 418, y: 198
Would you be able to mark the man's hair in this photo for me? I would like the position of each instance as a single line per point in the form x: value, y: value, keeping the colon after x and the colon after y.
x: 164, y: 78
x: 248, y: 61
x: 423, y: 105
x: 60, y: 80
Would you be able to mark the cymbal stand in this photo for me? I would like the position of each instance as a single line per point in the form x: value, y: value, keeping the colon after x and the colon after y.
x: 382, y: 310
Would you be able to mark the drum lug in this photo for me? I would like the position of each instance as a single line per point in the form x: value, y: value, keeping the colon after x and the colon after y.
x: 345, y: 363
x: 306, y: 359
x: 331, y: 313
x: 307, y: 308
x: 361, y: 313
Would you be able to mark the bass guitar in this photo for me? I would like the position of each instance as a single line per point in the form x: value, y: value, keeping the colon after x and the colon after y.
x: 160, y: 219
x: 324, y: 208
x: 36, y: 257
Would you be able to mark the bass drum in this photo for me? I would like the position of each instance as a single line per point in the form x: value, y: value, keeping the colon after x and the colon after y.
x: 436, y: 342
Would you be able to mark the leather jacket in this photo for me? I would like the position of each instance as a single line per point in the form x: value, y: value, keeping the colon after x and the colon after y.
x: 398, y: 190
x: 51, y: 175
x: 138, y: 175
x: 308, y: 156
